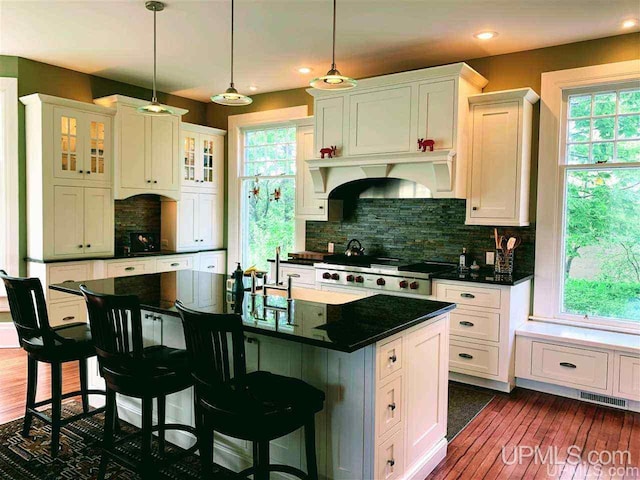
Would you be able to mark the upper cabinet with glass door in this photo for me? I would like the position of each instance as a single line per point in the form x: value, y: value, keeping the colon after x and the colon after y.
x: 202, y: 157
x: 82, y: 145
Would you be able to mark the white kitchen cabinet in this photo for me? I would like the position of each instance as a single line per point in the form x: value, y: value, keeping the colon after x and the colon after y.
x: 82, y: 222
x: 194, y: 222
x: 147, y: 149
x: 82, y: 145
x: 380, y: 121
x: 377, y: 125
x: 202, y: 157
x: 329, y: 120
x: 69, y: 178
x: 499, y: 172
x: 212, y: 262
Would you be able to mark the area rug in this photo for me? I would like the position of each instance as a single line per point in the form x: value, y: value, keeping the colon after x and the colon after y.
x: 465, y: 403
x: 79, y: 457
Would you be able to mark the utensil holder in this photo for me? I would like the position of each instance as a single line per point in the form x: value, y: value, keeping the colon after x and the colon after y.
x: 504, y: 262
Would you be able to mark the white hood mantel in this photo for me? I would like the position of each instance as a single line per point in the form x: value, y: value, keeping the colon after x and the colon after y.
x: 435, y: 170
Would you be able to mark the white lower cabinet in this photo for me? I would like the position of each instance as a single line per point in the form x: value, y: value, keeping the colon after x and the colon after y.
x: 72, y: 311
x: 212, y: 262
x: 483, y: 325
x: 304, y: 275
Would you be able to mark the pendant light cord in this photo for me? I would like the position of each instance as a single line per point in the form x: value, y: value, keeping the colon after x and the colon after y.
x: 155, y: 57
x: 333, y: 58
x: 232, y: 14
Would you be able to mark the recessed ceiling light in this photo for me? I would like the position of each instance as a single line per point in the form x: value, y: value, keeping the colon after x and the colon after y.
x: 632, y: 22
x: 253, y: 88
x: 486, y: 35
x: 304, y: 70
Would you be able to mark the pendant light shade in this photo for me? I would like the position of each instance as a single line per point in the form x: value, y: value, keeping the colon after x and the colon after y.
x: 155, y: 108
x: 333, y: 80
x: 230, y: 97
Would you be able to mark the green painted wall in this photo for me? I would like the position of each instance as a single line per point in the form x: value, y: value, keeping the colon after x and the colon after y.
x: 37, y: 77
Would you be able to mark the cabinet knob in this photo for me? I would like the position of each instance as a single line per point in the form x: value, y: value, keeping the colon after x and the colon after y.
x: 88, y: 172
x: 148, y: 181
x: 393, y: 358
x: 79, y: 171
x: 80, y: 246
x: 474, y: 208
x: 391, y: 462
x: 392, y: 406
x: 321, y: 207
x: 89, y: 246
x: 155, y: 181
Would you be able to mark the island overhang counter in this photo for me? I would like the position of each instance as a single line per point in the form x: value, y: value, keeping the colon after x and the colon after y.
x: 382, y: 362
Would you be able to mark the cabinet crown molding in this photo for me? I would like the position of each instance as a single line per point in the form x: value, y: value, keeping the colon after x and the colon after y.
x: 40, y: 98
x: 113, y: 100
x: 461, y: 70
x: 192, y: 127
x: 526, y: 93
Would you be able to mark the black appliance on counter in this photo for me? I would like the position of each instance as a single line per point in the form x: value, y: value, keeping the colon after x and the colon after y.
x: 142, y: 242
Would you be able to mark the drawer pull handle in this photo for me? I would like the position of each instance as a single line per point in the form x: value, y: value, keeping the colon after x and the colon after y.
x: 392, y: 406
x: 391, y: 462
x: 467, y: 295
x: 66, y: 319
x: 148, y: 315
x: 157, y: 317
x: 465, y: 355
x: 567, y: 364
x: 251, y: 340
x: 175, y: 264
x: 130, y: 269
x: 68, y: 281
x: 211, y: 266
x: 393, y: 358
x: 464, y: 323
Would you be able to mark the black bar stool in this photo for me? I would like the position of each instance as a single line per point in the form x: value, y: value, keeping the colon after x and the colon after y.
x: 131, y: 369
x: 52, y: 345
x: 258, y: 406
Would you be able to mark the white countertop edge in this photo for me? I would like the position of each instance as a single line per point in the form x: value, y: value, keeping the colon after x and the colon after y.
x: 623, y: 342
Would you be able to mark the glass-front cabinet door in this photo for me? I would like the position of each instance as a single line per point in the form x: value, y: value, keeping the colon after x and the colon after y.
x: 189, y: 158
x: 209, y: 146
x: 68, y: 161
x: 98, y: 163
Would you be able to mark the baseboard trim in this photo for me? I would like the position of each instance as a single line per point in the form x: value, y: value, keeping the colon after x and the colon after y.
x: 8, y: 335
x: 421, y: 469
x: 481, y: 382
x: 569, y: 392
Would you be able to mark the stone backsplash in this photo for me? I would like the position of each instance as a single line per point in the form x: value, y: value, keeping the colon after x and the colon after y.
x: 421, y: 229
x: 136, y: 214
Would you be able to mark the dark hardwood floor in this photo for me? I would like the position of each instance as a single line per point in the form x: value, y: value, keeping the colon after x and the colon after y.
x: 527, y: 419
x: 523, y: 419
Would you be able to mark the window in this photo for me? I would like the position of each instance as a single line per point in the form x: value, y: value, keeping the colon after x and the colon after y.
x: 267, y: 178
x: 600, y: 242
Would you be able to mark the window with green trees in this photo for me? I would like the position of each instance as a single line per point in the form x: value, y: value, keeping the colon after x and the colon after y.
x: 268, y: 194
x: 601, y: 242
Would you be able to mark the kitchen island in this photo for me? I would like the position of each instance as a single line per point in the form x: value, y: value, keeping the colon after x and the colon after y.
x: 382, y: 362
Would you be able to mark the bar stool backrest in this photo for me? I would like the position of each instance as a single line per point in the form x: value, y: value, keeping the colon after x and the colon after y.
x: 28, y: 309
x: 116, y: 329
x: 215, y: 346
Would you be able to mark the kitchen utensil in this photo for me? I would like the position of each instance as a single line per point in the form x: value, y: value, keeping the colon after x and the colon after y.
x: 354, y: 248
x: 511, y: 243
x: 495, y: 235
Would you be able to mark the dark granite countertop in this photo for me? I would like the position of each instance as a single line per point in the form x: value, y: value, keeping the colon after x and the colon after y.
x: 122, y: 255
x: 345, y: 327
x: 483, y: 275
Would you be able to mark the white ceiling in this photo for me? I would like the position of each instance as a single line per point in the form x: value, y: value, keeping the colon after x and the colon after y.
x: 113, y: 39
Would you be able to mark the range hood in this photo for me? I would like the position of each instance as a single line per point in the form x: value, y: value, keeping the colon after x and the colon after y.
x: 433, y: 170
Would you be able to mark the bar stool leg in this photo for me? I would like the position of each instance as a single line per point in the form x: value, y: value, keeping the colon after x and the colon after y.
x: 162, y: 404
x: 147, y: 438
x: 262, y: 471
x: 107, y: 438
x: 310, y: 448
x: 84, y: 384
x: 32, y: 387
x: 205, y: 445
x: 56, y: 406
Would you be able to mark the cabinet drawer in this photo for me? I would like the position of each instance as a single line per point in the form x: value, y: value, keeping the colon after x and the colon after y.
x: 390, y: 458
x: 212, y: 262
x: 67, y: 312
x: 467, y: 295
x: 389, y: 358
x: 475, y: 324
x: 66, y: 273
x: 126, y: 269
x: 307, y: 276
x: 389, y: 406
x: 568, y: 365
x: 629, y: 377
x: 182, y: 262
x: 473, y: 357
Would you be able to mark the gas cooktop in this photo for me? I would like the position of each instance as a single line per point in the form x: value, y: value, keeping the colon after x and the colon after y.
x: 388, y: 263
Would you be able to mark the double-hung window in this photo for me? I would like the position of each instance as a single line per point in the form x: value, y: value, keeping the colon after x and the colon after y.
x: 600, y: 187
x: 267, y: 178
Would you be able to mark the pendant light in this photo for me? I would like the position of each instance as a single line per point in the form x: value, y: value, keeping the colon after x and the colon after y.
x: 154, y: 108
x: 231, y: 97
x: 333, y: 80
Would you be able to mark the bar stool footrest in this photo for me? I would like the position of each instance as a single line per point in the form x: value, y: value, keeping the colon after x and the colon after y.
x: 296, y: 472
